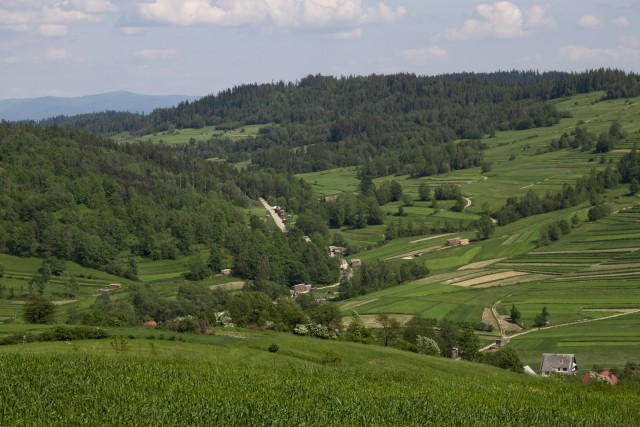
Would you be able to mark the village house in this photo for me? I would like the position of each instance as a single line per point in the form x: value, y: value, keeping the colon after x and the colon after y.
x: 457, y: 241
x: 298, y: 289
x: 335, y: 250
x: 560, y: 363
x: 604, y: 376
x: 225, y: 271
x: 355, y: 262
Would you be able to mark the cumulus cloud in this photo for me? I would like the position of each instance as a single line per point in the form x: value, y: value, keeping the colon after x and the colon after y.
x: 56, y: 54
x: 621, y: 21
x: 346, y: 35
x: 94, y: 6
x: 284, y: 13
x: 48, y: 18
x: 425, y: 53
x: 52, y: 30
x: 503, y: 20
x: 581, y: 53
x: 161, y: 54
x: 589, y: 21
x: 537, y: 17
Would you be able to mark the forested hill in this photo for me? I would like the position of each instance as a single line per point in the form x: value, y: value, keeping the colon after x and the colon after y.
x: 70, y: 195
x: 398, y: 122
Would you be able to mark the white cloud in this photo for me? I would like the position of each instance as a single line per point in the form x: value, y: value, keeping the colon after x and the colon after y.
x: 161, y: 54
x: 346, y: 35
x: 131, y: 30
x: 56, y: 54
x: 30, y: 14
x: 52, y: 30
x: 283, y: 13
x: 589, y: 21
x: 95, y: 6
x: 621, y: 21
x: 579, y: 53
x: 422, y: 54
x: 501, y: 20
x: 537, y: 17
x: 383, y: 14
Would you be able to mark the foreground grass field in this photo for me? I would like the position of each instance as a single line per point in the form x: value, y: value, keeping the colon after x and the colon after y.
x: 226, y: 380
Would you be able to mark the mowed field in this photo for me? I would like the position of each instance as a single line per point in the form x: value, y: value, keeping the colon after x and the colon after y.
x: 588, y: 284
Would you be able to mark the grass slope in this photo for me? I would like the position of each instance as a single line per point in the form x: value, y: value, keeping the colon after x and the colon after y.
x: 225, y: 380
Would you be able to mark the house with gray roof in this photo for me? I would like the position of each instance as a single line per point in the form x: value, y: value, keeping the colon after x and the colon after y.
x: 560, y: 363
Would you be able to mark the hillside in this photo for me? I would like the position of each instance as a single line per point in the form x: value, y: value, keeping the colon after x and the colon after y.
x: 232, y: 379
x: 387, y: 171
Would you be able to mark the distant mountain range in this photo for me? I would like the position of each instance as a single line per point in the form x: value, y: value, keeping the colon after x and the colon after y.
x: 51, y: 106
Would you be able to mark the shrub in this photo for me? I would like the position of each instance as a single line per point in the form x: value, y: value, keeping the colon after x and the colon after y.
x: 331, y: 358
x: 273, y: 348
x: 427, y: 346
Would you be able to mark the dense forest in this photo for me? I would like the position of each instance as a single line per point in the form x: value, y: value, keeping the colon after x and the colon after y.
x: 70, y: 195
x: 398, y: 122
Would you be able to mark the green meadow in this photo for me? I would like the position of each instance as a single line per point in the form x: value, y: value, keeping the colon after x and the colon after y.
x: 592, y: 273
x: 183, y: 136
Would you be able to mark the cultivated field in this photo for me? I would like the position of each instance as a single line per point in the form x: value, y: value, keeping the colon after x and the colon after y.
x: 308, y: 381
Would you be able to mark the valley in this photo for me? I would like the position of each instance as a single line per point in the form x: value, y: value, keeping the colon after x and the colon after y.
x: 321, y: 247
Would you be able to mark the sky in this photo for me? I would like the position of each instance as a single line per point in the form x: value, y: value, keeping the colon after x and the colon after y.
x: 199, y: 47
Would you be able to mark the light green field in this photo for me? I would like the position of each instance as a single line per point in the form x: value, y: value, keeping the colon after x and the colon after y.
x: 183, y: 136
x: 223, y: 380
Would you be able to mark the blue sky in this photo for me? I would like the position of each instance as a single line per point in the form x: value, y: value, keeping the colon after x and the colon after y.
x: 197, y: 47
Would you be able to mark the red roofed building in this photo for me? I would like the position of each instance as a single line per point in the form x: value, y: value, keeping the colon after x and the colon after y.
x: 151, y: 323
x: 604, y: 376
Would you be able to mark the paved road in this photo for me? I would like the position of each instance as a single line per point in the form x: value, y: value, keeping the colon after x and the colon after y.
x: 274, y: 215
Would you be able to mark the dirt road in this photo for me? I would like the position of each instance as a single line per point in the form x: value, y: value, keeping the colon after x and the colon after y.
x: 274, y: 215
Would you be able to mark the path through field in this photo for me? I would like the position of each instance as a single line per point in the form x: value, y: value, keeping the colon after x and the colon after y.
x: 626, y: 312
x: 620, y: 312
x: 468, y: 200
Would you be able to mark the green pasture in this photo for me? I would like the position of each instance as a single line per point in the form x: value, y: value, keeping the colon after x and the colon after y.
x: 183, y: 136
x: 608, y: 343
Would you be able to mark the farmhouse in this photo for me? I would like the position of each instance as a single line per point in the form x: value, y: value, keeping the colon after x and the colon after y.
x: 561, y: 363
x: 457, y: 241
x: 604, y: 376
x: 225, y: 271
x: 356, y: 262
x: 334, y: 250
x: 300, y: 288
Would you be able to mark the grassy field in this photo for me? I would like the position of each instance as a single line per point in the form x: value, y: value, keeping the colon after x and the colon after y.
x: 183, y: 136
x: 234, y: 380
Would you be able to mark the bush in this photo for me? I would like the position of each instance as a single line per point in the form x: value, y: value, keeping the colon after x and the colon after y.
x: 331, y: 358
x: 597, y: 212
x: 39, y: 310
x: 273, y: 348
x: 428, y: 346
